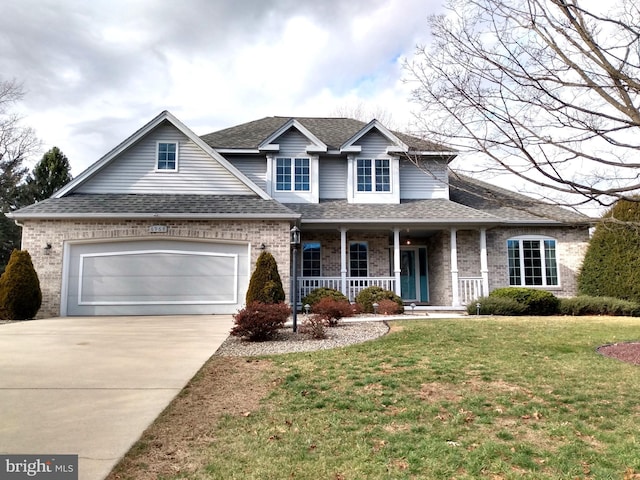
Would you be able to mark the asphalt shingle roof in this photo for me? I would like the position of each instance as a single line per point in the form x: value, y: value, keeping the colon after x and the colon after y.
x: 160, y: 205
x: 334, y: 132
x: 507, y: 205
x: 415, y: 211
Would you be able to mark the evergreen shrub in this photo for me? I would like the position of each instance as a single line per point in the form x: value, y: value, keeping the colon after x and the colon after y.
x: 20, y: 294
x: 611, y: 267
x: 497, y: 306
x: 265, y: 285
x: 537, y: 302
x: 586, y: 305
x: 319, y: 293
x: 370, y: 295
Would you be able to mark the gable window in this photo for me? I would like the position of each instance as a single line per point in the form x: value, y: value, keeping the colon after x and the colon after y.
x: 532, y: 262
x: 311, y: 259
x: 358, y: 259
x: 167, y: 156
x: 373, y: 175
x: 292, y: 172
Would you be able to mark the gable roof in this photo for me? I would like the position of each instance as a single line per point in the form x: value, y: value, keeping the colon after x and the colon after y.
x: 333, y: 132
x: 164, y: 116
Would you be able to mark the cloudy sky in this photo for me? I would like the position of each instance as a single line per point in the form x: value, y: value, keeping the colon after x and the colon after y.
x: 95, y: 71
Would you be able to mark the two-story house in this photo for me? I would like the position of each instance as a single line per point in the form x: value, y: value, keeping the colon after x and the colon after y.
x: 171, y: 223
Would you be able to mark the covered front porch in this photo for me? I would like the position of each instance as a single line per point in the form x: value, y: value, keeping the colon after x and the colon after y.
x: 429, y: 268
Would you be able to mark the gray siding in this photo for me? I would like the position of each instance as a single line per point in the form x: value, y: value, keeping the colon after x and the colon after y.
x: 254, y: 168
x: 292, y: 142
x: 134, y: 170
x: 373, y: 144
x: 428, y: 179
x: 333, y: 178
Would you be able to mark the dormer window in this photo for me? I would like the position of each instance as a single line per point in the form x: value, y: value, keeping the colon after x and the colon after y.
x: 373, y: 175
x: 167, y: 156
x: 292, y: 174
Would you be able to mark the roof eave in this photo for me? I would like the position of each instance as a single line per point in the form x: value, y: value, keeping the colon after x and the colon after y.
x: 165, y: 216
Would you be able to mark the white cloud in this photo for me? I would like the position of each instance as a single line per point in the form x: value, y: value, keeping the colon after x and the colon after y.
x: 96, y: 71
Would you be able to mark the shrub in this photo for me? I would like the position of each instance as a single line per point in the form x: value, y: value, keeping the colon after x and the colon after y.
x: 332, y: 310
x: 20, y: 294
x: 370, y: 295
x: 265, y: 285
x: 586, y: 305
x: 315, y: 326
x: 389, y: 307
x: 496, y: 306
x: 319, y: 293
x: 260, y: 321
x: 611, y: 266
x: 537, y: 302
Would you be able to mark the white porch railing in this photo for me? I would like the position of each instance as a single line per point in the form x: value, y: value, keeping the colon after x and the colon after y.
x: 354, y: 284
x: 470, y: 288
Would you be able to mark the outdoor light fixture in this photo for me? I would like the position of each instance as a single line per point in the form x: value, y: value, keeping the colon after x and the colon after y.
x: 375, y: 308
x: 295, y: 242
x: 307, y: 307
x: 263, y: 246
x: 47, y: 248
x: 413, y: 307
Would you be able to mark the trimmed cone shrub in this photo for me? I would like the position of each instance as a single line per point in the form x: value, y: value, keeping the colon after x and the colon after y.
x: 537, y: 302
x: 20, y: 294
x: 611, y: 266
x: 265, y: 285
x: 319, y: 293
x: 370, y: 295
x: 260, y: 321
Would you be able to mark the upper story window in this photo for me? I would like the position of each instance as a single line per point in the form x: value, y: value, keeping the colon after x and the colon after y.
x: 167, y: 156
x: 532, y: 262
x: 292, y: 172
x: 311, y: 259
x: 373, y: 175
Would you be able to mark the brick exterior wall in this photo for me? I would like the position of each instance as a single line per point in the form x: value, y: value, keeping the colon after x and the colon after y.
x: 37, y: 233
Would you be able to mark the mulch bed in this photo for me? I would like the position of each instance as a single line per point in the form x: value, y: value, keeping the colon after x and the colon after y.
x: 628, y: 352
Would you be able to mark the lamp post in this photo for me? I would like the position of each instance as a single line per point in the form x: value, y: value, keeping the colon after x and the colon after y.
x: 295, y: 241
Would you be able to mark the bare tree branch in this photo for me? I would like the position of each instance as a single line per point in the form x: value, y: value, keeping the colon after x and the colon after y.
x: 543, y: 89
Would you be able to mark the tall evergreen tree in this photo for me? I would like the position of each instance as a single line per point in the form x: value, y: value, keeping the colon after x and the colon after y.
x: 611, y: 266
x: 50, y: 174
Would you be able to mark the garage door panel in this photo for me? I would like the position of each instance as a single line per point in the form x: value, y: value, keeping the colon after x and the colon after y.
x: 156, y: 277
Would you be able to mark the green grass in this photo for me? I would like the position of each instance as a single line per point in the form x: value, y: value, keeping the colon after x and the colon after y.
x: 512, y: 398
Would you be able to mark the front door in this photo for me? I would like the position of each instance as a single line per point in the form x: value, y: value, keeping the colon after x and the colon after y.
x: 409, y: 285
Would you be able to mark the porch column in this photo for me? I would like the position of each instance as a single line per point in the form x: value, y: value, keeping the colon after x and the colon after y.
x: 455, y: 294
x: 396, y: 261
x: 484, y: 264
x: 343, y: 262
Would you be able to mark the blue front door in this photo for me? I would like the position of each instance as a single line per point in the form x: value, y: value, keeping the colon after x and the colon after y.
x: 408, y: 277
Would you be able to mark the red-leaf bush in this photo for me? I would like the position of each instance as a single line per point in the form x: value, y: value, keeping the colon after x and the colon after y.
x: 260, y: 321
x: 332, y: 310
x: 389, y: 307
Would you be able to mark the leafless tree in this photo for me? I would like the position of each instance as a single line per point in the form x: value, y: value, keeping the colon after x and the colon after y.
x: 547, y: 90
x: 360, y: 111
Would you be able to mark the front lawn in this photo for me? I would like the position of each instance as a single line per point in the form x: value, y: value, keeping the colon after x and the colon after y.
x: 494, y: 398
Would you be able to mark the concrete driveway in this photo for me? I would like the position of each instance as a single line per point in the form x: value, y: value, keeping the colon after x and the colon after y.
x: 90, y: 386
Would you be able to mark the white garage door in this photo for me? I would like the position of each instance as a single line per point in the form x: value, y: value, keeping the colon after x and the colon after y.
x: 155, y: 277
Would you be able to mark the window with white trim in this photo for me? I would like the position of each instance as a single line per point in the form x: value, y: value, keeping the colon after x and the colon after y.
x: 359, y: 259
x: 532, y: 262
x: 311, y: 266
x: 293, y: 174
x: 167, y: 156
x: 373, y: 175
